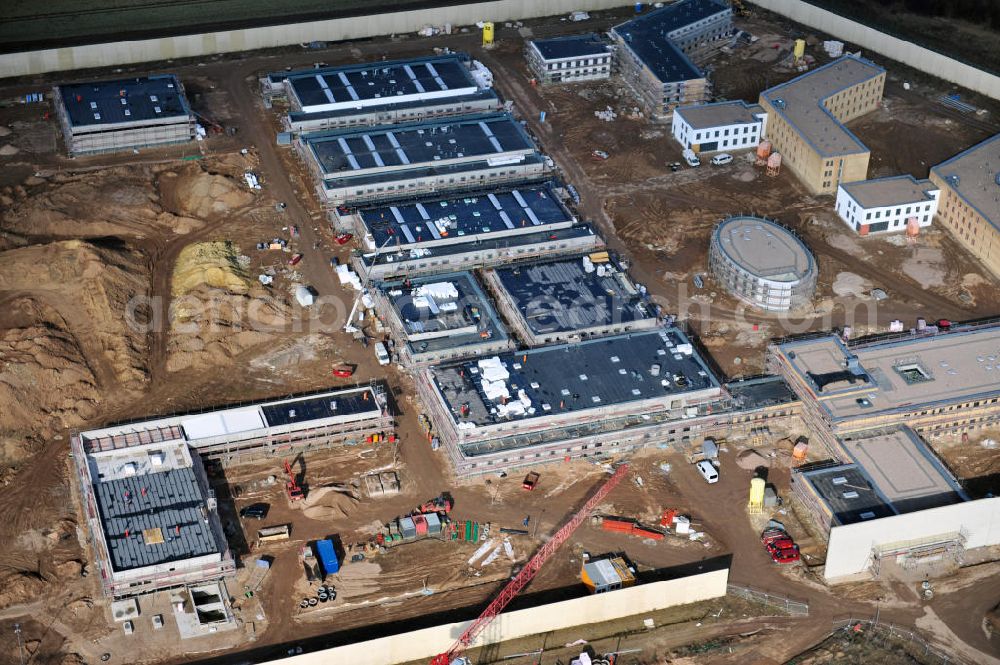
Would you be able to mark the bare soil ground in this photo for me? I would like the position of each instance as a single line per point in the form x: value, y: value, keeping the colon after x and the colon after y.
x: 82, y: 238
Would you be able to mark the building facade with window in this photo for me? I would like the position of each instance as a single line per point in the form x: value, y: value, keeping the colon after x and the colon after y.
x: 887, y: 205
x: 970, y: 200
x: 806, y: 119
x: 721, y: 126
x: 654, y: 53
x: 569, y: 59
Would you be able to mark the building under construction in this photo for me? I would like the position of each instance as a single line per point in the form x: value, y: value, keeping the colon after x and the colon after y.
x: 109, y: 116
x: 595, y: 397
x: 382, y: 92
x: 570, y: 298
x: 151, y: 516
x: 464, y: 153
x: 491, y: 251
x: 654, y: 53
x: 440, y: 317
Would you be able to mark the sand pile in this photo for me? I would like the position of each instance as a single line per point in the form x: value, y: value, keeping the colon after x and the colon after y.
x: 357, y: 579
x: 751, y: 459
x: 190, y: 191
x: 217, y: 311
x: 323, y: 503
x: 64, y: 334
x: 119, y: 202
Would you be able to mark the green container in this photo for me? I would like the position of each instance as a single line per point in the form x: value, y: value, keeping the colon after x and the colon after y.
x: 475, y: 531
x: 468, y: 530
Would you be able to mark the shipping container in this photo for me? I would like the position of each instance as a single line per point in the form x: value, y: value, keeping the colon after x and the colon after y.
x: 407, y: 528
x: 420, y: 524
x: 433, y: 523
x: 616, y: 524
x: 327, y: 556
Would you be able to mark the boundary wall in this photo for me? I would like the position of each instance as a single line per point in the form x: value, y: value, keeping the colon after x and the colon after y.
x: 976, y: 523
x: 919, y: 57
x: 429, y: 642
x: 114, y: 54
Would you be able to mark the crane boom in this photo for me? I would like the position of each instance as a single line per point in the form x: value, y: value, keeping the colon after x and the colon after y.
x: 514, y: 587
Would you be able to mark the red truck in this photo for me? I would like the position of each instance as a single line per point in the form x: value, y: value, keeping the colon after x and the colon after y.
x: 530, y: 481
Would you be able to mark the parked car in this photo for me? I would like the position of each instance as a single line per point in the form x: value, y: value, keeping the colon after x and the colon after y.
x: 599, y: 154
x: 530, y: 481
x: 343, y: 238
x: 708, y: 471
x: 381, y: 353
x: 785, y: 556
x: 257, y: 511
x: 722, y: 158
x: 690, y: 157
x: 294, y: 261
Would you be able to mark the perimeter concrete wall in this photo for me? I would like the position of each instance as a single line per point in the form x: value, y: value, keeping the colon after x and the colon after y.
x: 897, y: 49
x: 850, y: 546
x: 426, y: 643
x: 334, y: 30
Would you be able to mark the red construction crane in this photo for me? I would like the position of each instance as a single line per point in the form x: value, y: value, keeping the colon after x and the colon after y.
x: 529, y: 571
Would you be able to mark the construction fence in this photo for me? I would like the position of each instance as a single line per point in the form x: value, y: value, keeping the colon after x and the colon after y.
x: 887, y: 634
x: 795, y: 608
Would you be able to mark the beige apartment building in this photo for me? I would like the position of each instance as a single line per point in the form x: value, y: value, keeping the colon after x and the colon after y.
x: 806, y: 119
x: 969, y: 205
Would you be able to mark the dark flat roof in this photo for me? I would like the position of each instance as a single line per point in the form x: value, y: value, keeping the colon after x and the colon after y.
x: 317, y: 408
x: 142, y: 96
x: 376, y: 80
x: 560, y: 296
x: 417, y: 143
x: 526, y: 207
x: 478, y: 95
x: 376, y: 177
x: 578, y: 231
x: 761, y: 392
x: 557, y: 48
x: 163, y: 500
x: 579, y: 377
x: 445, y: 327
x: 849, y: 494
x: 647, y: 36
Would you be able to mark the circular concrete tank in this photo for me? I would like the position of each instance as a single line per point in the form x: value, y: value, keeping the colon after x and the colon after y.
x: 762, y: 263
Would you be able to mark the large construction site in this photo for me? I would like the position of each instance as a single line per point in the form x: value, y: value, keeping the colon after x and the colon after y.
x: 399, y: 351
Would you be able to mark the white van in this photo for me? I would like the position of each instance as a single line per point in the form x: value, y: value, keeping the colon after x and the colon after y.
x: 722, y: 158
x: 381, y: 353
x: 708, y: 471
x: 690, y: 157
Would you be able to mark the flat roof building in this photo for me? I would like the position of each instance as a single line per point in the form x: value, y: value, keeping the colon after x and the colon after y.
x: 569, y: 298
x: 762, y: 263
x: 720, y: 126
x: 412, y: 159
x: 488, y: 251
x: 928, y: 380
x: 970, y: 200
x: 653, y: 49
x: 886, y: 205
x: 471, y: 217
x: 152, y: 518
x: 806, y: 119
x: 554, y: 396
x: 441, y: 317
x: 569, y: 59
x: 124, y: 114
x: 383, y: 92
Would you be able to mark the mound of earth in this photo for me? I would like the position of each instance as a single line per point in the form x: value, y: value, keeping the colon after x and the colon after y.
x: 192, y: 192
x: 20, y: 587
x: 217, y: 312
x: 325, y: 503
x: 751, y: 459
x: 65, y: 332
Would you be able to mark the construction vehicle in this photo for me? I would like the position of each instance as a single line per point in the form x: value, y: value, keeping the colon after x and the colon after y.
x: 292, y: 487
x: 530, y: 481
x: 343, y: 371
x: 521, y: 580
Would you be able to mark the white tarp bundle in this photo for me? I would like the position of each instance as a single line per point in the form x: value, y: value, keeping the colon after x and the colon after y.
x: 437, y: 290
x: 495, y: 390
x: 492, y: 369
x: 304, y: 296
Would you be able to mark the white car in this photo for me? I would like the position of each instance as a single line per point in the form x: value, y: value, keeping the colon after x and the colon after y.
x: 722, y: 158
x: 708, y: 471
x: 690, y: 157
